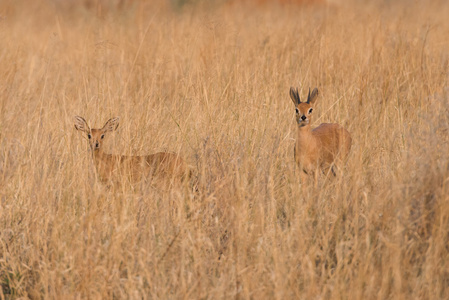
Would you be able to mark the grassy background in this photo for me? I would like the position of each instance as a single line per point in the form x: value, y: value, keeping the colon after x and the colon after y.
x: 211, y: 81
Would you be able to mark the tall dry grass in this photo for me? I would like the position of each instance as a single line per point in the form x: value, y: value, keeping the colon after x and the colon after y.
x: 211, y: 82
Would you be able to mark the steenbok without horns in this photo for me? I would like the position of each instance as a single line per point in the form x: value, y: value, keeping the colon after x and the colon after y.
x: 163, y: 166
x: 320, y: 148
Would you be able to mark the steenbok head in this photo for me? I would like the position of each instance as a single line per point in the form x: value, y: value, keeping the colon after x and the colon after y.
x: 96, y: 136
x: 303, y: 109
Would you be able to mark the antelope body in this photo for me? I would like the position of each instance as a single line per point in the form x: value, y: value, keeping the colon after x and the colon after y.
x: 318, y: 148
x: 161, y: 165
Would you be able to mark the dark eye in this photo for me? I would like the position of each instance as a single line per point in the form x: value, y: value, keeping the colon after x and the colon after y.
x: 310, y: 111
x: 297, y: 110
x: 89, y: 136
x: 102, y: 136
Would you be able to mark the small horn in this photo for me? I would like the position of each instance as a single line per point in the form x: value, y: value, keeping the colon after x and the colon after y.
x: 308, y: 96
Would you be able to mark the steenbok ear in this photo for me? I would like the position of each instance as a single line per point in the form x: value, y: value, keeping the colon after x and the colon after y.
x: 81, y: 124
x: 111, y: 124
x: 295, y: 96
x: 311, y: 98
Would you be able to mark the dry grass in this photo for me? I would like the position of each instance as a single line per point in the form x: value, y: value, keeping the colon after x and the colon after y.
x: 212, y: 82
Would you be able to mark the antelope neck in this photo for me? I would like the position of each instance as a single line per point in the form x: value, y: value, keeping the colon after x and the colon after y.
x: 98, y: 154
x: 304, y: 136
x: 304, y: 129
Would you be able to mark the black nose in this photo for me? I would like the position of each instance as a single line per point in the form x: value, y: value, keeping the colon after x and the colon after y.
x: 303, y: 117
x: 97, y: 145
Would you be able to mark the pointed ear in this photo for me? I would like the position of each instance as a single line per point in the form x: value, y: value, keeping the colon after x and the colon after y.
x: 111, y: 124
x: 294, y: 96
x: 312, y: 97
x: 81, y: 124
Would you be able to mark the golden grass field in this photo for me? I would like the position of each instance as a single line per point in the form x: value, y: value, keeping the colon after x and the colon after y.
x: 212, y: 82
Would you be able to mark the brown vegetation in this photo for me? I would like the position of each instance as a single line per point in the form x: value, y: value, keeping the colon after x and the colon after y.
x: 213, y: 83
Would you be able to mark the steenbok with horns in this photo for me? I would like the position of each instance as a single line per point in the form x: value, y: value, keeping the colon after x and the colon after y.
x: 320, y: 148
